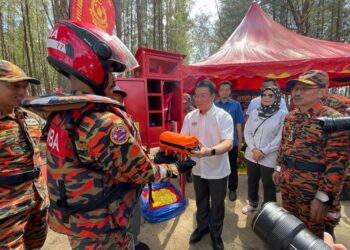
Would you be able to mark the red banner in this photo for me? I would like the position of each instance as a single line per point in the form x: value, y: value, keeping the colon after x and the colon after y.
x: 98, y: 12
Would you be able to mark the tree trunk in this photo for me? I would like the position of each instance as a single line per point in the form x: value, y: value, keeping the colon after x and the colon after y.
x: 31, y: 43
x: 338, y: 22
x: 160, y: 25
x: 322, y: 19
x: 131, y: 24
x: 154, y: 38
x: 147, y: 28
x: 167, y: 17
x: 11, y: 40
x: 4, y: 53
x: 301, y: 14
x: 139, y: 22
x: 331, y: 29
x: 118, y: 17
x: 26, y: 46
x: 42, y: 63
x: 60, y: 10
x: 47, y: 14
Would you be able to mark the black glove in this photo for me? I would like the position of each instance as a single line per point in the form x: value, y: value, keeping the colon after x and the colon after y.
x: 185, y: 166
x: 161, y: 158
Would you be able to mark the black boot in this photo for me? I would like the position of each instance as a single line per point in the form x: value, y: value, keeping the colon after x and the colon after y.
x: 142, y: 246
x: 217, y: 243
x: 197, y: 235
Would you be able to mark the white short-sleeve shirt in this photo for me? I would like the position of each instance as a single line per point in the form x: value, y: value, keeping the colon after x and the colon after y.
x: 210, y: 128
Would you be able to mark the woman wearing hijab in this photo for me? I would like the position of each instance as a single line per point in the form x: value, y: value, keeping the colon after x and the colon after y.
x: 262, y: 133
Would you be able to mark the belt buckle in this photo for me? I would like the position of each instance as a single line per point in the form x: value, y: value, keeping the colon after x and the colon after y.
x: 292, y: 163
x: 295, y: 163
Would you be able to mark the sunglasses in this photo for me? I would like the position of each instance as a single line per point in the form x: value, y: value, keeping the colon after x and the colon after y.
x: 269, y: 95
x: 303, y: 89
x: 17, y: 86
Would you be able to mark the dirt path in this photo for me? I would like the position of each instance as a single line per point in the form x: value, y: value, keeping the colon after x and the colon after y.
x: 237, y: 234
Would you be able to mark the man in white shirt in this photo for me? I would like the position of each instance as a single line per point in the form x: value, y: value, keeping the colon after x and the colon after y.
x: 214, y: 128
x: 256, y: 102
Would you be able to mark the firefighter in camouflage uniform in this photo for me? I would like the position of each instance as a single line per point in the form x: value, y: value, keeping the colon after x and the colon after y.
x: 311, y: 163
x: 340, y: 104
x: 96, y: 165
x: 23, y: 193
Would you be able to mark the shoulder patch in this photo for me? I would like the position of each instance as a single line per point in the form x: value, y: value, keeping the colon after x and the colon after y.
x: 119, y: 134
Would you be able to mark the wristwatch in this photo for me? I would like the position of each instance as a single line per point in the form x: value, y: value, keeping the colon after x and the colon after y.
x: 213, y: 151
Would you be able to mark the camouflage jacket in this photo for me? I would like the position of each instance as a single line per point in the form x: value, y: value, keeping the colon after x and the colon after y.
x: 19, y: 140
x: 303, y: 139
x: 103, y: 140
x: 337, y: 102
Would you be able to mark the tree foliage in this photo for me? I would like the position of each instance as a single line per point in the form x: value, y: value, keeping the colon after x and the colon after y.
x: 160, y: 24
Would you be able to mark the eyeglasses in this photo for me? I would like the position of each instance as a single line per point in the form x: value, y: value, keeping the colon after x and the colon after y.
x: 303, y: 89
x: 17, y: 87
x: 269, y: 95
x: 202, y: 96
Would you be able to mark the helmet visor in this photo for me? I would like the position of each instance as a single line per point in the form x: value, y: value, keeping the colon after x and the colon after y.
x: 121, y: 54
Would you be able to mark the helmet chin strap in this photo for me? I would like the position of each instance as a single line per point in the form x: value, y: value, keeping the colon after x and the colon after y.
x: 99, y: 90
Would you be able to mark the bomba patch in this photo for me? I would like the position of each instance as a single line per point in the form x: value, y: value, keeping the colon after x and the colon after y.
x: 119, y: 134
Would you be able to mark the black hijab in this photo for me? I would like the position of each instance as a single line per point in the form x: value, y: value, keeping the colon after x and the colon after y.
x: 267, y: 111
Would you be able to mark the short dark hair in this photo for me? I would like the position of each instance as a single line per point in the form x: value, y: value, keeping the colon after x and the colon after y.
x: 271, y: 80
x: 206, y: 84
x: 226, y: 83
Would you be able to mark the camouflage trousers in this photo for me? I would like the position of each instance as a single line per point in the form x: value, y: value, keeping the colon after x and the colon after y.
x: 298, y: 189
x: 111, y: 241
x: 333, y: 213
x: 25, y: 230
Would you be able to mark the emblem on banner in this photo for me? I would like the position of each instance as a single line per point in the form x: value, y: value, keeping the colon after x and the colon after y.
x: 98, y: 14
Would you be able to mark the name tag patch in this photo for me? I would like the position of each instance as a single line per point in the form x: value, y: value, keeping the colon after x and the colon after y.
x: 31, y: 122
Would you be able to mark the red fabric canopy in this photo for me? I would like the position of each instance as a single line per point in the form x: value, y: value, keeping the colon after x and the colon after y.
x: 261, y: 48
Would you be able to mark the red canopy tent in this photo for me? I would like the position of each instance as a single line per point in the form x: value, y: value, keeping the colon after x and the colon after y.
x: 261, y: 48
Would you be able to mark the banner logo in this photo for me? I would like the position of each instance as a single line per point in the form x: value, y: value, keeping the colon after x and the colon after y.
x: 100, y: 13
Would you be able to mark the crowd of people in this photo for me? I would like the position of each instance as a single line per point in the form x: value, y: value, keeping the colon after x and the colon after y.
x: 96, y: 166
x: 289, y: 150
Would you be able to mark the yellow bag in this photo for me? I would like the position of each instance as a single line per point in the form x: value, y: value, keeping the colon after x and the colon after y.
x: 178, y: 142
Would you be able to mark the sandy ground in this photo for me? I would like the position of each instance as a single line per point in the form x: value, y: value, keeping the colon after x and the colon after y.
x: 237, y: 234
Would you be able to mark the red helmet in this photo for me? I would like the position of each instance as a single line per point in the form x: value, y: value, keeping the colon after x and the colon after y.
x: 87, y: 52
